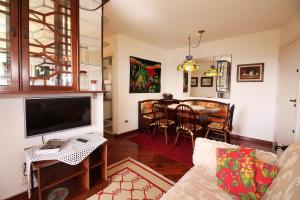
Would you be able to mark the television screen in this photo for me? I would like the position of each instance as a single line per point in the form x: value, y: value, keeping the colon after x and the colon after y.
x: 45, y: 115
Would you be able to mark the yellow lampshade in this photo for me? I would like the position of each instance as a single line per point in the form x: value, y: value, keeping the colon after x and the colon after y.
x: 211, y: 72
x: 188, y: 66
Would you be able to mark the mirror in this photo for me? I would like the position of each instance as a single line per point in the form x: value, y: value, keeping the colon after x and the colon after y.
x: 212, y: 87
x: 90, y: 47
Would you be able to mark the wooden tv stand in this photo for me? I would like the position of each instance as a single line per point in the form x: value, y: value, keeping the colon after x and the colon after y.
x: 82, y: 180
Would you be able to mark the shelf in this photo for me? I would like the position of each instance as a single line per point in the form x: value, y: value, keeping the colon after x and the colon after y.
x: 96, y: 176
x: 76, y: 188
x: 66, y: 172
x: 97, y: 164
x: 92, y: 65
x: 96, y: 158
x: 52, y: 92
x: 83, y: 179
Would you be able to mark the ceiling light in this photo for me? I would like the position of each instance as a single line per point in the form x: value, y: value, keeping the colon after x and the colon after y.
x: 213, y: 70
x: 190, y: 64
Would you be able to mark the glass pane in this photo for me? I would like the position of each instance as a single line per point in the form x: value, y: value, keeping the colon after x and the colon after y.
x: 5, y: 65
x: 50, y: 43
x: 90, y: 46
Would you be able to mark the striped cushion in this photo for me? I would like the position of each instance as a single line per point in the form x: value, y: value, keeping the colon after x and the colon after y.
x: 216, y: 119
x: 217, y: 126
x: 148, y: 116
x: 189, y: 127
x: 164, y: 123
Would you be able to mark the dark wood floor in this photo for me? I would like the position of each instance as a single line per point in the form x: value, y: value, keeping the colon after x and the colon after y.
x: 120, y: 148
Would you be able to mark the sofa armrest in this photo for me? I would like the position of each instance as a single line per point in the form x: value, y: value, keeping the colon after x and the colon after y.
x: 205, y: 153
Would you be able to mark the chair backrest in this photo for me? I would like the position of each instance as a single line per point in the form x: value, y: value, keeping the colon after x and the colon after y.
x: 222, y: 113
x: 230, y: 117
x: 160, y: 113
x: 186, y: 117
x: 145, y: 106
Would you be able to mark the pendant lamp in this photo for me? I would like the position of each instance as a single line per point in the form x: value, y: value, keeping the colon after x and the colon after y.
x: 190, y: 64
x: 213, y: 70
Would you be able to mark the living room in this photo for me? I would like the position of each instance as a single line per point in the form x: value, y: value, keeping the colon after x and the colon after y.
x: 251, y: 32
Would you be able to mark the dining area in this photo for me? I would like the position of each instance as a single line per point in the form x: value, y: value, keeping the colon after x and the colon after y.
x: 189, y: 118
x: 203, y: 113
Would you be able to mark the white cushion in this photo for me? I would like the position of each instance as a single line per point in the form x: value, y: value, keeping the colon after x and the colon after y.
x: 205, y: 153
x: 199, y: 183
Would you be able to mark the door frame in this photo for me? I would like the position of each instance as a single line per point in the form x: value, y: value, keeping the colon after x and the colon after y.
x: 297, y: 131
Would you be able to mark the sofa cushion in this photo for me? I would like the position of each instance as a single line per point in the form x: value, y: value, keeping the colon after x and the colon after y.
x: 205, y: 153
x: 197, y: 184
x: 236, y: 171
x: 287, y: 183
x: 264, y: 175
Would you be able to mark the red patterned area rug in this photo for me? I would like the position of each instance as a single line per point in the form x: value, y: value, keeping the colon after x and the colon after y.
x: 130, y: 179
x: 182, y: 153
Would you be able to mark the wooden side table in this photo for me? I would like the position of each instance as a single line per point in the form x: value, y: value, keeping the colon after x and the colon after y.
x: 81, y: 180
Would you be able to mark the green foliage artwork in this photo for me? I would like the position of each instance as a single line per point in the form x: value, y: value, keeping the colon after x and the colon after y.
x: 144, y: 76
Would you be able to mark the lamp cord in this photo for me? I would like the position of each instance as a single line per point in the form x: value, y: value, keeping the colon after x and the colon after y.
x: 197, y: 45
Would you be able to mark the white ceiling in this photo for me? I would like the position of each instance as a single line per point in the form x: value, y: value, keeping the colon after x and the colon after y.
x: 167, y: 23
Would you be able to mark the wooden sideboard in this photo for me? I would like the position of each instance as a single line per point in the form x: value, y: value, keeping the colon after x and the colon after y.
x: 82, y: 180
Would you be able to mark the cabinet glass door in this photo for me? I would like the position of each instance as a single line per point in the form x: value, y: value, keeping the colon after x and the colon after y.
x: 51, y: 45
x: 9, y: 46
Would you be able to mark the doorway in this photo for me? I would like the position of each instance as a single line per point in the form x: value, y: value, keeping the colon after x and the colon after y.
x: 107, y: 106
x: 288, y: 94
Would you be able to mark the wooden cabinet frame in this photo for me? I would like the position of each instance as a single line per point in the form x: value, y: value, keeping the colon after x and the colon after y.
x: 83, y: 180
x: 25, y: 79
x: 14, y: 47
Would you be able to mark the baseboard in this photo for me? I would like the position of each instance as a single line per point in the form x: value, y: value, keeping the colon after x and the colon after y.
x: 253, y: 140
x: 22, y: 196
x: 121, y: 135
x: 126, y: 134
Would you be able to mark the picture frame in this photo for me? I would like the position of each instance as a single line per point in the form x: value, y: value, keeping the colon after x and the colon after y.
x: 145, y: 76
x: 250, y: 72
x: 194, y: 81
x: 206, y: 81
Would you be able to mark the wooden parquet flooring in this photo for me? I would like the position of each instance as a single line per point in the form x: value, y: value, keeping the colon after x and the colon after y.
x: 120, y: 148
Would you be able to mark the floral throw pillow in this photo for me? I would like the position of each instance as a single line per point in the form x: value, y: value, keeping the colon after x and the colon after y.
x: 265, y: 173
x: 236, y: 171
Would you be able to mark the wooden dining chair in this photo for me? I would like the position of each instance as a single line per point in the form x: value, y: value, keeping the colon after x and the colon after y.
x: 186, y: 123
x: 146, y: 117
x: 222, y: 127
x: 161, y: 121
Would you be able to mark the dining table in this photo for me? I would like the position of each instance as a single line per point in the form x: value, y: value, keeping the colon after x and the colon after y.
x: 201, y: 112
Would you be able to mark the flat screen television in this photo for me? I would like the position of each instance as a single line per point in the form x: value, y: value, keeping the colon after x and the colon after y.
x: 46, y: 115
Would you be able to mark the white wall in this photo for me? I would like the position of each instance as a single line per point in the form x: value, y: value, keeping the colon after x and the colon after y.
x: 13, y: 142
x: 290, y: 31
x: 127, y: 104
x: 255, y: 102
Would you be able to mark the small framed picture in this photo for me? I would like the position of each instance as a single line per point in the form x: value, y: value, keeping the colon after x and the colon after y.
x: 250, y: 72
x: 206, y: 81
x: 194, y: 81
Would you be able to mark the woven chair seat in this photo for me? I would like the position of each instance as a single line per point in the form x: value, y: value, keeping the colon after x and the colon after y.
x: 164, y: 123
x: 148, y: 116
x: 216, y: 119
x: 189, y: 127
x: 217, y: 126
